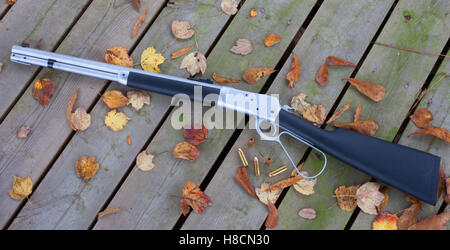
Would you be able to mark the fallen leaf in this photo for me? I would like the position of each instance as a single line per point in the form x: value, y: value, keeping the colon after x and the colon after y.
x: 285, y: 183
x: 368, y: 127
x: 322, y: 75
x: 440, y: 133
x: 150, y: 60
x: 107, y: 211
x: 182, y: 29
x: 137, y: 4
x: 409, y: 215
x: 372, y: 90
x: 229, y: 6
x: 187, y: 151
x: 271, y: 40
x: 70, y: 108
x: 315, y: 114
x: 10, y: 2
x: 242, y: 177
x: 307, y: 213
x: 305, y: 186
x: 114, y: 99
x: 118, y: 56
x: 194, y: 63
x: 23, y: 132
x: 242, y: 47
x: 252, y: 75
x: 272, y: 218
x: 338, y: 114
x: 181, y: 52
x: 138, y: 23
x: 253, y: 13
x: 357, y: 116
x: 223, y: 80
x: 81, y: 120
x: 43, y: 90
x: 299, y: 104
x: 422, y: 118
x: 195, y: 136
x: 441, y: 182
x: 385, y: 192
x: 116, y: 121
x: 22, y: 187
x: 144, y: 161
x: 435, y: 222
x: 1, y: 66
x: 38, y: 45
x: 269, y: 195
x: 86, y: 168
x: 128, y: 140
x: 385, y: 221
x: 193, y: 198
x: 334, y: 61
x: 137, y: 99
x: 346, y: 197
x: 447, y: 196
x: 294, y: 73
x: 369, y: 197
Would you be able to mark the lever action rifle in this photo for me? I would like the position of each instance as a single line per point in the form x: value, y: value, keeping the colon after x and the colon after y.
x: 412, y: 171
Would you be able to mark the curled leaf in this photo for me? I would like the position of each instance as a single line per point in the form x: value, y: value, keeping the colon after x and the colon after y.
x: 272, y: 218
x: 193, y: 198
x: 107, y: 211
x: 252, y: 75
x: 299, y: 104
x: 137, y: 4
x: 195, y: 136
x: 86, y: 168
x: 114, y: 99
x: 187, y: 151
x: 194, y: 63
x: 368, y: 127
x: 22, y: 187
x: 294, y: 72
x: 315, y: 114
x: 339, y: 113
x: 435, y: 222
x: 150, y: 60
x: 144, y: 161
x: 223, y: 80
x: 70, y: 108
x: 229, y: 6
x: 242, y: 177
x: 182, y: 29
x: 346, y: 197
x: 116, y: 121
x: 334, y: 61
x: 10, y: 2
x: 447, y: 196
x: 137, y: 99
x: 369, y: 197
x: 385, y: 221
x: 80, y: 119
x: 138, y: 23
x: 307, y: 213
x: 268, y: 195
x: 285, y: 183
x: 385, y: 192
x: 43, y: 90
x: 181, y: 52
x: 118, y: 56
x: 271, y: 40
x: 422, y: 118
x: 322, y: 75
x: 305, y: 186
x: 242, y: 47
x: 372, y: 90
x: 23, y: 132
x: 440, y: 133
x: 409, y: 215
x: 357, y: 116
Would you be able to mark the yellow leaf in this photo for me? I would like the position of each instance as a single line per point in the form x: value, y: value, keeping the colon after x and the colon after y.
x: 385, y: 221
x: 114, y: 99
x: 86, y: 167
x: 150, y: 60
x: 118, y: 56
x: 21, y: 188
x: 116, y: 121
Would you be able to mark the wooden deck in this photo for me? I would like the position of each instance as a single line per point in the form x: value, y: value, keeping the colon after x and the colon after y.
x: 310, y: 29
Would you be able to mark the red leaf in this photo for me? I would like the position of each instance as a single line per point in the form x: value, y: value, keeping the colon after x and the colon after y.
x: 272, y: 219
x: 196, y: 136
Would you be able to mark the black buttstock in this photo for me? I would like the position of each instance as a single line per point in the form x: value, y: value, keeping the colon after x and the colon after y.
x: 410, y: 170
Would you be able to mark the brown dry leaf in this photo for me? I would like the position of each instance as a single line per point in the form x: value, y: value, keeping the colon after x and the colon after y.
x: 315, y: 114
x: 242, y: 47
x: 322, y: 75
x: 305, y: 186
x: 346, y: 197
x: 447, y: 196
x: 385, y: 191
x: 385, y: 221
x: 299, y: 104
x: 107, y: 211
x: 334, y: 61
x: 138, y: 23
x: 368, y: 127
x: 435, y: 222
x: 150, y: 60
x: 307, y: 213
x: 193, y: 198
x: 440, y: 133
x: 10, y: 2
x: 372, y: 90
x: 357, y: 116
x: 181, y: 52
x: 1, y: 66
x: 272, y: 218
x: 229, y: 6
x: 86, y: 168
x: 114, y: 99
x: 70, y: 108
x: 144, y: 161
x: 269, y: 195
x: 137, y: 99
x: 22, y: 187
x: 137, y: 4
x: 441, y: 182
x: 284, y: 183
x: 223, y: 80
x: 80, y: 119
x: 195, y: 136
x: 271, y: 40
x: 294, y: 72
x: 368, y: 197
x: 119, y: 56
x: 339, y: 113
x: 187, y: 151
x: 182, y: 29
x: 23, y: 132
x: 409, y: 215
x: 116, y: 121
x: 242, y: 177
x: 252, y: 75
x: 194, y: 63
x: 422, y: 118
x: 43, y: 90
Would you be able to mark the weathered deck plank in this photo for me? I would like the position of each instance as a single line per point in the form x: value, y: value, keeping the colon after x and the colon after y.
x: 144, y: 196
x: 402, y: 74
x: 335, y: 30
x: 28, y: 21
x: 437, y: 101
x: 102, y: 25
x: 76, y: 203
